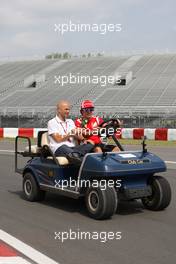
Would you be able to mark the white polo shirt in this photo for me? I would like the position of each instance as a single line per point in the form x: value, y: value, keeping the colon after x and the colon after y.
x: 56, y: 125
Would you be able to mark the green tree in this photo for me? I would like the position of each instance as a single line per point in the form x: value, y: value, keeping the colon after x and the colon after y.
x: 66, y: 55
x: 49, y: 56
x: 99, y: 54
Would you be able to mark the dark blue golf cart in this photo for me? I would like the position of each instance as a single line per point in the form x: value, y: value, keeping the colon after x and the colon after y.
x: 103, y: 179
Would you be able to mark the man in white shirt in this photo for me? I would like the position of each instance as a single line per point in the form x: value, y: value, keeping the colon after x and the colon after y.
x: 63, y: 135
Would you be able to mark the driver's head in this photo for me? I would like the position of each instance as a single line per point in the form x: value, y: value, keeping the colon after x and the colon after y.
x: 87, y: 109
x: 63, y: 109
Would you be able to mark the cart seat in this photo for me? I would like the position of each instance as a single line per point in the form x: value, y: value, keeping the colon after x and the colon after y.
x: 34, y: 149
x: 45, y: 141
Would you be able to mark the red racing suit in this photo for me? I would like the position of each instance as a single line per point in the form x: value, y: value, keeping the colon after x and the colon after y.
x: 91, y: 124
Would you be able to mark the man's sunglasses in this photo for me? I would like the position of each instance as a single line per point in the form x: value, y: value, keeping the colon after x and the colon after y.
x: 88, y: 110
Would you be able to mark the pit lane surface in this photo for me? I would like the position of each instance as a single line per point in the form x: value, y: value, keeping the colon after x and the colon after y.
x: 147, y: 237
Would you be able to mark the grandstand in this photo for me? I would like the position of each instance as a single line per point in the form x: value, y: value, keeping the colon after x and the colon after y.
x: 146, y: 95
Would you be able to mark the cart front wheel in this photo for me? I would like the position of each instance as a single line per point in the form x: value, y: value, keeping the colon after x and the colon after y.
x: 101, y: 204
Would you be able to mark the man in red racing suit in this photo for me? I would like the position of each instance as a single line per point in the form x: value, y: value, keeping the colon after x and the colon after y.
x: 91, y: 124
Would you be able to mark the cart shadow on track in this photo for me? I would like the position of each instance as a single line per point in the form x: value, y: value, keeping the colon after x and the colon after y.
x: 78, y: 206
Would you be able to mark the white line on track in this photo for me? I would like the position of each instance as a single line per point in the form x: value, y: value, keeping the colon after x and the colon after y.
x: 13, y: 260
x: 7, y: 150
x: 26, y: 250
x: 171, y: 162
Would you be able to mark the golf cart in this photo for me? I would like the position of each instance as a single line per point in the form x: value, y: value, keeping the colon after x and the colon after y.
x: 103, y: 179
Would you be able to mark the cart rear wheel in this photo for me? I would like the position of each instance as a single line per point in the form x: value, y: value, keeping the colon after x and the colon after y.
x: 161, y: 194
x: 101, y: 204
x: 31, y: 189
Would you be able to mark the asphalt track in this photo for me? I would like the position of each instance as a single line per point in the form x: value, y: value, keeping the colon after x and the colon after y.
x: 147, y: 237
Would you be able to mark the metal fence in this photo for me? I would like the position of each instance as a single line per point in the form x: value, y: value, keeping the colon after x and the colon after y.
x: 26, y: 118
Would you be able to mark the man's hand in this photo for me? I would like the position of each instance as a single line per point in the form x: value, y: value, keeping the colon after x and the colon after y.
x: 60, y: 138
x: 76, y: 133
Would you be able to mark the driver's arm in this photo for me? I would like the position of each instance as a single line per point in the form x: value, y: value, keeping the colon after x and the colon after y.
x: 85, y: 132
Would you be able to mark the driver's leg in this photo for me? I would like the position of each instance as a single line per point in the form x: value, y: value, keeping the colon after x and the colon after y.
x: 115, y: 149
x: 111, y: 148
x: 97, y: 149
x: 83, y: 149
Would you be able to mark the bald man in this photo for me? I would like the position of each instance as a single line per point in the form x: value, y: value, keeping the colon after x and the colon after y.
x: 63, y: 136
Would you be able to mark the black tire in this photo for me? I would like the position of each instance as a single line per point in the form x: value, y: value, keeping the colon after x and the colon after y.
x: 31, y: 189
x: 101, y: 204
x: 161, y: 194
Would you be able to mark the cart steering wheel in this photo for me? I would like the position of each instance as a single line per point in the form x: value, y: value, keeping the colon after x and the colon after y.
x: 111, y: 123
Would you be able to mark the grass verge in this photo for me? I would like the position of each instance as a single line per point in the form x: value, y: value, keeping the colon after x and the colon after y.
x: 122, y: 141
